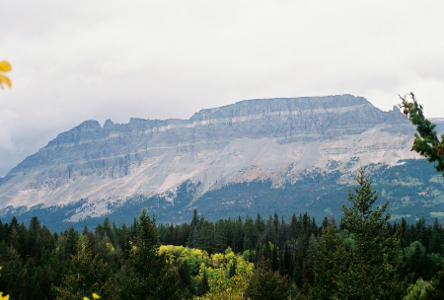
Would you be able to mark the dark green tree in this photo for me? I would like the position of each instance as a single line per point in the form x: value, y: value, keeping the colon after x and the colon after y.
x: 371, y: 273
x: 149, y: 268
x: 202, y: 286
x: 72, y: 238
x: 435, y: 290
x: 267, y: 285
x: 185, y: 279
x: 435, y: 243
x: 250, y: 234
x: 87, y: 275
x: 330, y: 262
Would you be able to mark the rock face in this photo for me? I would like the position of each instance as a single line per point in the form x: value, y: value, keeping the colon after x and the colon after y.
x: 273, y: 139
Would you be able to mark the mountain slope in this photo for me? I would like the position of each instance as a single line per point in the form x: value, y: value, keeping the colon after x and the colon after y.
x: 97, y: 169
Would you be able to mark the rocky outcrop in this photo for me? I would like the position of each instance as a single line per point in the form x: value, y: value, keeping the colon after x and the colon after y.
x: 255, y: 139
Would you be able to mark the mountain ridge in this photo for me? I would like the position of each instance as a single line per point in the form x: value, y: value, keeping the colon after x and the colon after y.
x: 264, y: 139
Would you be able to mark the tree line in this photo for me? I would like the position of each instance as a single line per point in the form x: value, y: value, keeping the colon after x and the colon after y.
x: 361, y: 256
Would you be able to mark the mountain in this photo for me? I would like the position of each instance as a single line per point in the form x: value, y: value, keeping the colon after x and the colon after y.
x: 172, y: 165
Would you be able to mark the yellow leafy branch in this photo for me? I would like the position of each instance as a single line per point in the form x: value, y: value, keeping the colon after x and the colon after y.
x: 1, y: 293
x: 94, y: 296
x: 4, y: 67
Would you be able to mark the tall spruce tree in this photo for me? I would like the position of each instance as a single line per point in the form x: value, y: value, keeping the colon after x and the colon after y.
x: 150, y: 269
x: 330, y: 262
x: 268, y: 285
x: 371, y: 272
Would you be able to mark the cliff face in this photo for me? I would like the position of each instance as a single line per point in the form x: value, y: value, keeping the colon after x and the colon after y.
x: 273, y: 139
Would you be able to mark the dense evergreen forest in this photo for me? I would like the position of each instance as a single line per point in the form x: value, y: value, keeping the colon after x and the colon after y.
x: 361, y: 256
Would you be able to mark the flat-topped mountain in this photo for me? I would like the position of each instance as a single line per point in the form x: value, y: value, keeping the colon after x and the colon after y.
x: 267, y: 139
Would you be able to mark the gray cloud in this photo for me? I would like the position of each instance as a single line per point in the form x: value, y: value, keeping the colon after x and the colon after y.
x: 168, y: 59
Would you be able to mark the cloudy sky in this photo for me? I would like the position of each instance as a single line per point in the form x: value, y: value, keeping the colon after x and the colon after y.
x: 78, y: 60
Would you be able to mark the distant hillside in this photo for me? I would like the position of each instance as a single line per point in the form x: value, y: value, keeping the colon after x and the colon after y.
x: 266, y: 147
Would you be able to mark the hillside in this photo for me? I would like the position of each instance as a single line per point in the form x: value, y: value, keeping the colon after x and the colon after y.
x: 92, y: 171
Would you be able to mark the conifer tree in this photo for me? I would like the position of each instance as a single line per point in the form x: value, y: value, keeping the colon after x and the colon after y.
x: 265, y: 284
x: 435, y: 290
x: 202, y: 286
x: 150, y: 269
x: 88, y: 275
x: 372, y: 266
x: 328, y: 264
x: 426, y: 141
x: 72, y: 238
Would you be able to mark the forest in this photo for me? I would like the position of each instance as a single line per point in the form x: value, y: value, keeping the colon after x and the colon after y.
x: 361, y: 256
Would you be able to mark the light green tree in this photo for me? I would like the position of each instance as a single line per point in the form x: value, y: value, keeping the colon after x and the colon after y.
x: 224, y: 287
x: 417, y: 291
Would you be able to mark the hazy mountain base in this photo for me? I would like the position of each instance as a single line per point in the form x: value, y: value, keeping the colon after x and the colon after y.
x: 413, y: 188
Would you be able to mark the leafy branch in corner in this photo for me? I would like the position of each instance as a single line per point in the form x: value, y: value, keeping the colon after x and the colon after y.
x: 4, y: 67
x: 426, y: 141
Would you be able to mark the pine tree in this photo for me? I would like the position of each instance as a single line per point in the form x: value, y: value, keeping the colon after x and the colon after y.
x: 150, y: 269
x: 195, y: 219
x: 372, y: 267
x: 88, y: 275
x: 250, y: 235
x: 259, y: 224
x: 274, y: 259
x: 312, y: 253
x: 435, y: 290
x: 202, y: 286
x: 435, y: 243
x: 186, y: 280
x: 426, y: 141
x: 265, y: 284
x: 330, y: 262
x: 72, y: 238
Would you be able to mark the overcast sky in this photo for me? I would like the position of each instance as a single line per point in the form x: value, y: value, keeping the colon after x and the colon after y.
x: 100, y: 59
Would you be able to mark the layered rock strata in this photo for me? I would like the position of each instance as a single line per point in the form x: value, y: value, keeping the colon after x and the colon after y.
x: 275, y: 139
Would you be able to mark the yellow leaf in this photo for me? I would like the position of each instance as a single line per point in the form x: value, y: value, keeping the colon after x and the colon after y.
x: 85, y: 298
x: 95, y: 296
x: 3, y: 297
x: 4, y: 80
x: 5, y: 66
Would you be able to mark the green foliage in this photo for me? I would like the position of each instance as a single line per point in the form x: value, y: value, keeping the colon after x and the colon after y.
x: 203, y: 286
x: 222, y: 286
x: 330, y: 262
x: 87, y: 275
x: 435, y: 290
x: 371, y: 272
x: 324, y: 262
x: 150, y: 269
x: 417, y: 291
x: 426, y: 141
x: 267, y: 285
x: 194, y: 258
